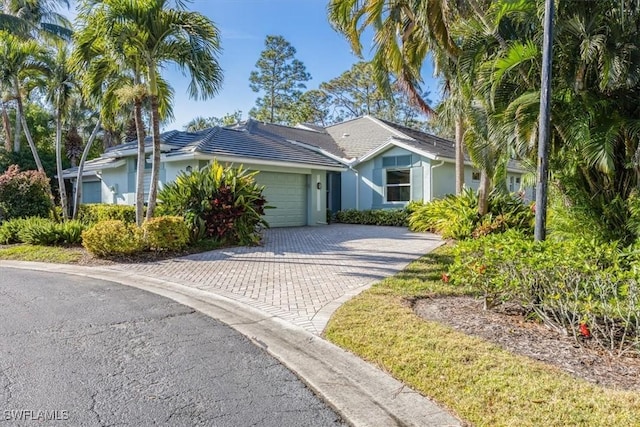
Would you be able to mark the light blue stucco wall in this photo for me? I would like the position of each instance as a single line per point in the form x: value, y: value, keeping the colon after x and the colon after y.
x: 368, y: 186
x: 430, y: 180
x: 118, y: 184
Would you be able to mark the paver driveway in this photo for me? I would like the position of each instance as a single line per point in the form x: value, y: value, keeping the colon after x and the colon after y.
x: 299, y: 274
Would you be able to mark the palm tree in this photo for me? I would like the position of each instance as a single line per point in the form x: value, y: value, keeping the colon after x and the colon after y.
x: 22, y: 66
x: 156, y: 34
x: 199, y: 123
x: 60, y: 86
x: 26, y: 18
x: 405, y: 33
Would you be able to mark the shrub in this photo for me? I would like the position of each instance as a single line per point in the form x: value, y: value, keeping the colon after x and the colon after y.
x: 453, y: 217
x: 112, y: 238
x: 9, y: 231
x: 223, y: 203
x: 39, y: 231
x: 24, y: 194
x: 166, y: 233
x: 70, y: 232
x: 392, y: 217
x: 94, y: 213
x: 456, y: 217
x: 591, y: 290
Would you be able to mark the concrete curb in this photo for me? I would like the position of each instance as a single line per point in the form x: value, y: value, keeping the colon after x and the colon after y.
x: 362, y: 394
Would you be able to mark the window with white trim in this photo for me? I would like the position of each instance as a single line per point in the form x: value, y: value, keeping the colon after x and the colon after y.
x: 398, y: 185
x: 475, y: 176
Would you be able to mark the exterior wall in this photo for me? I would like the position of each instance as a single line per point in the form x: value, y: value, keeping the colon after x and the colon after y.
x: 349, y: 194
x: 115, y: 186
x: 370, y: 188
x: 317, y: 198
x: 444, y: 179
x: 173, y: 169
x: 118, y: 184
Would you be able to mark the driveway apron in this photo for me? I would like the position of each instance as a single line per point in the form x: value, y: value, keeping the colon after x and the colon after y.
x: 301, y: 275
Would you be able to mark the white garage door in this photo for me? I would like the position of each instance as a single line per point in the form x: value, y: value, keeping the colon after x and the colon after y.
x: 288, y: 193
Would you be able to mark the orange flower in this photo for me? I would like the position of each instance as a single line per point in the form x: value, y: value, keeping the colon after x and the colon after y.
x: 482, y: 269
x: 584, y: 330
x: 445, y: 277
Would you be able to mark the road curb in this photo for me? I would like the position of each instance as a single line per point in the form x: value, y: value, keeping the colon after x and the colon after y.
x: 362, y: 394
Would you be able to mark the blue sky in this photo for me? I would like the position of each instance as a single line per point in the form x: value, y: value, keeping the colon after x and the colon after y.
x: 244, y: 24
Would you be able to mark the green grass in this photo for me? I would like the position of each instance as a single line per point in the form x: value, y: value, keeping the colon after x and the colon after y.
x: 478, y: 381
x: 56, y: 254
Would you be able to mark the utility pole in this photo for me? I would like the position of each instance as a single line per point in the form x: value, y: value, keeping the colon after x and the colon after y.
x: 540, y: 231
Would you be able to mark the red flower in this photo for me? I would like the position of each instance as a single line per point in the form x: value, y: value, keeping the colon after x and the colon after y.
x: 445, y: 277
x: 533, y: 207
x: 482, y: 269
x: 584, y: 330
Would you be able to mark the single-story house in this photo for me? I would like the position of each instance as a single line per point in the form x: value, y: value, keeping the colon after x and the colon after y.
x: 364, y: 163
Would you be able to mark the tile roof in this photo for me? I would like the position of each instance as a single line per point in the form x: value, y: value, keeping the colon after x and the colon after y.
x: 317, y: 136
x: 359, y: 136
x: 270, y: 142
x: 247, y: 143
x: 439, y: 147
x: 92, y: 166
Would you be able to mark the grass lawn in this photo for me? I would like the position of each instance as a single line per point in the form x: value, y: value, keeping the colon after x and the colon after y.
x: 478, y: 381
x: 77, y: 254
x: 57, y: 254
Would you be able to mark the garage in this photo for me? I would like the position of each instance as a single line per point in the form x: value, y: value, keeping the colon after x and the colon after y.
x: 287, y: 192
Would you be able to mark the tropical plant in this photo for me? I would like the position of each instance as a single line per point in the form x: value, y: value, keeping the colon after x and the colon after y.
x: 222, y: 203
x: 201, y: 123
x: 23, y: 65
x: 147, y: 35
x: 61, y: 84
x: 28, y: 18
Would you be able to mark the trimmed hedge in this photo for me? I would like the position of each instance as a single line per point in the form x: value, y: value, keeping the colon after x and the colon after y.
x: 390, y: 217
x: 112, y: 238
x: 169, y: 233
x: 97, y: 212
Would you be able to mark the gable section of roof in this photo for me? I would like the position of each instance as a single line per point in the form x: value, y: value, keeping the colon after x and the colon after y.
x: 359, y: 136
x: 435, y: 145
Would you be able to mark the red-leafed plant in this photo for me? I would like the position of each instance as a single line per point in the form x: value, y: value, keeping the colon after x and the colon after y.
x: 222, y: 203
x: 24, y: 194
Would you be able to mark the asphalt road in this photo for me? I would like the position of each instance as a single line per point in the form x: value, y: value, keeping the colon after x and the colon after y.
x: 80, y: 352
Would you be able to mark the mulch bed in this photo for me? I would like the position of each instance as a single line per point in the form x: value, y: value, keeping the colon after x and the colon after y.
x: 510, y: 330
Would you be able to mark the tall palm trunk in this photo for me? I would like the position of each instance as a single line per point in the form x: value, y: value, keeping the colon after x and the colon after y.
x: 6, y: 125
x: 137, y: 111
x: 61, y: 187
x: 459, y: 153
x: 83, y: 159
x: 483, y: 192
x: 18, y: 132
x: 155, y: 166
x: 27, y: 133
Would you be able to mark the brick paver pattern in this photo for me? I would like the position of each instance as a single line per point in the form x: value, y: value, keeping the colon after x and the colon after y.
x: 298, y: 274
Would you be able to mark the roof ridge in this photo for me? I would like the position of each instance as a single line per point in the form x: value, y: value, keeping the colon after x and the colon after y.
x: 389, y: 127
